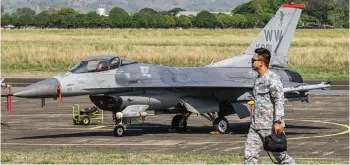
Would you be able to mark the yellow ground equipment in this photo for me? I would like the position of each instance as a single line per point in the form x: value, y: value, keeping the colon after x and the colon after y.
x: 251, y: 104
x: 83, y: 116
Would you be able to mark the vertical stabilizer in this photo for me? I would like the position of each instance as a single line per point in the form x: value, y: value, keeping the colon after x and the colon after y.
x: 276, y: 36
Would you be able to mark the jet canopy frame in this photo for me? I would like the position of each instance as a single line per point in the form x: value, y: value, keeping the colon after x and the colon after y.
x: 100, y: 64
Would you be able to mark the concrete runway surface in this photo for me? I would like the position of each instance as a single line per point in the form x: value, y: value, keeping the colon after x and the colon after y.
x: 319, y: 129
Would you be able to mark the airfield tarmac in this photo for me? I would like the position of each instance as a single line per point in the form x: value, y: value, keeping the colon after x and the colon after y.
x: 319, y: 129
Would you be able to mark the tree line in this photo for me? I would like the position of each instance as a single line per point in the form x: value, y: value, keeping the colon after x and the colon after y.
x: 253, y: 14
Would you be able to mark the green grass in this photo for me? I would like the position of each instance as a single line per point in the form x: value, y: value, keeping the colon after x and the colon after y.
x: 316, y: 54
x: 69, y: 156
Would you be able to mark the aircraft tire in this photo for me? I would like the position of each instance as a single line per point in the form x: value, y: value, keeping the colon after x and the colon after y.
x: 221, y: 124
x: 118, y: 131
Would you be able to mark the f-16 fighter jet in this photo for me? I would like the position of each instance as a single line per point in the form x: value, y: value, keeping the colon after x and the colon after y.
x: 129, y: 88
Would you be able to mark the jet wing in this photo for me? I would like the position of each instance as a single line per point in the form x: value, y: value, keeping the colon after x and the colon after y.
x: 192, y: 84
x: 289, y: 87
x: 219, y: 84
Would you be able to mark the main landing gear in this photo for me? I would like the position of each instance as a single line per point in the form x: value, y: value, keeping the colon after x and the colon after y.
x: 179, y: 122
x: 220, y: 123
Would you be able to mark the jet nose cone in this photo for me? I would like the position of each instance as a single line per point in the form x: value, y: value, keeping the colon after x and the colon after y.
x: 41, y: 89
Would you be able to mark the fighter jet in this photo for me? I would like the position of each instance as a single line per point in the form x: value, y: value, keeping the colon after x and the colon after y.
x: 129, y: 88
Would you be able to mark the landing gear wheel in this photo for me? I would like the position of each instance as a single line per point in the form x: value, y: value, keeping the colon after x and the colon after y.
x: 85, y: 120
x: 118, y: 131
x: 176, y: 125
x: 221, y: 125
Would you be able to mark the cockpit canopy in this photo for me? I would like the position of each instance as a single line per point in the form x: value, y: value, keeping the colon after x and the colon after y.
x: 99, y: 64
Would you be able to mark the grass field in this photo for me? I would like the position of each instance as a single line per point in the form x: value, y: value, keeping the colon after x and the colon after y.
x: 118, y: 157
x: 316, y: 54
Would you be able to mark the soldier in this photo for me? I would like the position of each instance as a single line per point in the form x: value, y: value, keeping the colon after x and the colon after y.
x: 268, y: 109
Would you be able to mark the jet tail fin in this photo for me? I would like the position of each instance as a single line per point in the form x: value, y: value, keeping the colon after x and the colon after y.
x: 278, y: 33
x: 276, y: 36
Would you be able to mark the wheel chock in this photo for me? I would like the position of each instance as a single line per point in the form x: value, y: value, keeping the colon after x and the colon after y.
x: 214, y: 133
x: 218, y: 133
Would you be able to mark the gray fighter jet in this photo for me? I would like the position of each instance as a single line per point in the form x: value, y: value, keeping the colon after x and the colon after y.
x: 128, y: 88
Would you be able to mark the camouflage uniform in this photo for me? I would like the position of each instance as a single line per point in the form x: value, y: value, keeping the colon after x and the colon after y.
x: 269, y: 107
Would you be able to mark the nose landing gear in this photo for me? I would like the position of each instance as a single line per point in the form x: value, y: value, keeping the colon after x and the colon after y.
x: 120, y: 124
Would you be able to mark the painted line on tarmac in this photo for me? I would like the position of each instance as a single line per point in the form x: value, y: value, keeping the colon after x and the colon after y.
x: 87, y: 129
x: 102, y: 128
x: 158, y: 143
x: 321, y: 136
x: 97, y: 127
x: 89, y: 144
x: 202, y: 143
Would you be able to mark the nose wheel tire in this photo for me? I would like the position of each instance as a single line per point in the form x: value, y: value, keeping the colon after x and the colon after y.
x: 118, y: 131
x: 221, y: 125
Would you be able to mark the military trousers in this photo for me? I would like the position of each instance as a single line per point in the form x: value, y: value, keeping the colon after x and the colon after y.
x: 254, y: 143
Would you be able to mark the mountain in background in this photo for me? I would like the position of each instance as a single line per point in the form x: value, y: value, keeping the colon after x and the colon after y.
x: 84, y: 6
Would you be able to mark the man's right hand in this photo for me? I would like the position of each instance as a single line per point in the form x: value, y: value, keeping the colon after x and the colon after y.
x: 277, y: 128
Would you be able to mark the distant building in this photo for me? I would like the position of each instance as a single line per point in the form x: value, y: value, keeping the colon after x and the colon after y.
x: 194, y: 13
x: 101, y: 11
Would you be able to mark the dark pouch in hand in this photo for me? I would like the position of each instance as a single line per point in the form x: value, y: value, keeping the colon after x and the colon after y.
x: 275, y: 142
